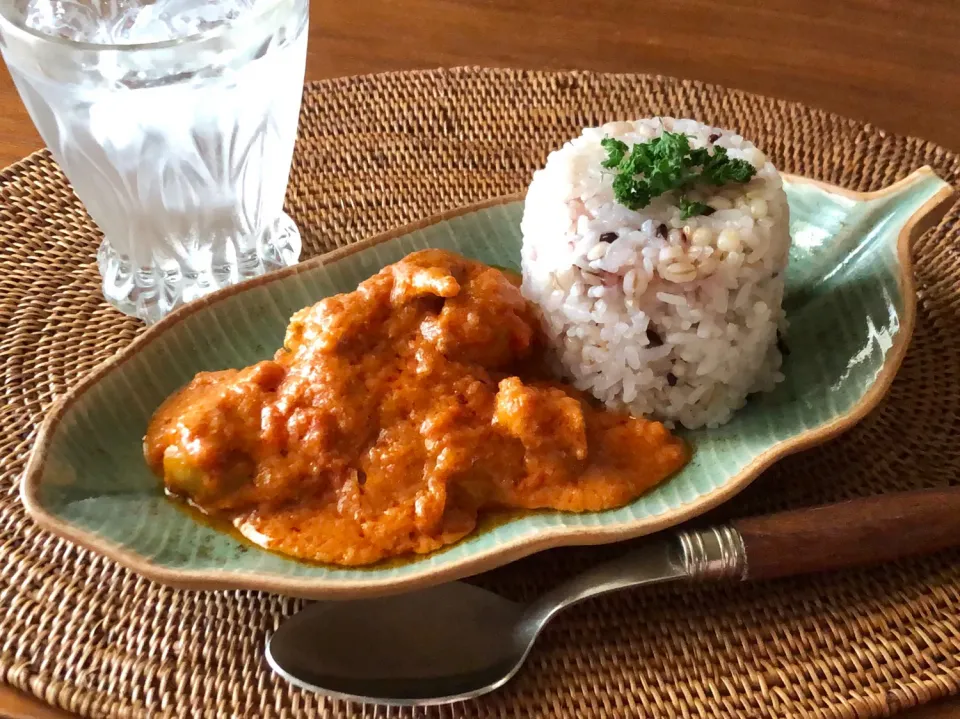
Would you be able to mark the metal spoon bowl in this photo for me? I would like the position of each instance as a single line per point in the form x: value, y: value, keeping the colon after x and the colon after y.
x: 451, y: 642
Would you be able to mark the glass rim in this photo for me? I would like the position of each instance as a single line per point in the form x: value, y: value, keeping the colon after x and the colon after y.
x: 265, y: 7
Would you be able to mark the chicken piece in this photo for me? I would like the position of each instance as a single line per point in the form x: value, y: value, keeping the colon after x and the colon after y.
x: 549, y: 423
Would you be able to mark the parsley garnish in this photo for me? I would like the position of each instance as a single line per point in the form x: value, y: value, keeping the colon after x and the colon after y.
x: 689, y: 208
x: 615, y: 151
x: 666, y: 164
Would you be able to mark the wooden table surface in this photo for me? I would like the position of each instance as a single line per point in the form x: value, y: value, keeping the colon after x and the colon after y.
x: 894, y: 63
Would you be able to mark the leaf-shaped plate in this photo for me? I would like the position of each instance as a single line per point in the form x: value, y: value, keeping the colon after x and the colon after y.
x: 850, y: 302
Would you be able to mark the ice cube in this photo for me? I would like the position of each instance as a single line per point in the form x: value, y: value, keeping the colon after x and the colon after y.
x: 125, y: 22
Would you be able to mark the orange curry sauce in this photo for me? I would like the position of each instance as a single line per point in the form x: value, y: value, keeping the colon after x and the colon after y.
x: 392, y: 416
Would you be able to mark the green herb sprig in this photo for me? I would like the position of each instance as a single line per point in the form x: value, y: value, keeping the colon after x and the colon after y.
x: 666, y: 164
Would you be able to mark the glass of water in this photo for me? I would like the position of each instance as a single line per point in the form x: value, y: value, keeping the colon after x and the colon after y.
x: 175, y: 121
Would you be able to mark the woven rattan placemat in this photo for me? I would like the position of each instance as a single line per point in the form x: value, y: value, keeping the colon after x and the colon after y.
x: 380, y: 151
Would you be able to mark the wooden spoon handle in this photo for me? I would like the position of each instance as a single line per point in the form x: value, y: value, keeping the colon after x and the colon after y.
x: 861, y: 531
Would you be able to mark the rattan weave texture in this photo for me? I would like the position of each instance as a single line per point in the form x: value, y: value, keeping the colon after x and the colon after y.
x: 380, y: 151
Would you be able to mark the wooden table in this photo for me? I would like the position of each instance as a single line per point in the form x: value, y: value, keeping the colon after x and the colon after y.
x: 895, y: 63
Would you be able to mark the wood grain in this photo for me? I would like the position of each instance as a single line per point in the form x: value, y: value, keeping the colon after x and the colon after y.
x: 17, y: 705
x: 895, y: 64
x: 849, y: 534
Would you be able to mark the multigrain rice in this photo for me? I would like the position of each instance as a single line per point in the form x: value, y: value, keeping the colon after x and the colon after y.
x: 668, y: 318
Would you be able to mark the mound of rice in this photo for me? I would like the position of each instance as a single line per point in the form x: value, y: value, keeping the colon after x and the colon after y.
x: 668, y: 318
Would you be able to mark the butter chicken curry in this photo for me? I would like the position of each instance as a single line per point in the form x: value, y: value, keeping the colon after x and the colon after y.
x: 392, y: 416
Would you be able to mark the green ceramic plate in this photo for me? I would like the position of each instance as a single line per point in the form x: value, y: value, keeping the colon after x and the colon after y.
x: 851, y: 305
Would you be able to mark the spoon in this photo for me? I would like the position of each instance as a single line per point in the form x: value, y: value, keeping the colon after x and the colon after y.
x: 457, y: 641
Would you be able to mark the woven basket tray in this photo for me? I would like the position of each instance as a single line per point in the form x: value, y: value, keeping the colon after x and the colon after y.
x: 381, y: 151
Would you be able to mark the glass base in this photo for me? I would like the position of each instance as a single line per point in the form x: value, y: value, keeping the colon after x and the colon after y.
x: 150, y: 292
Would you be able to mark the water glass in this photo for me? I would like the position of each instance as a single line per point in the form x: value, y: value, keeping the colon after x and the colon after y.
x: 175, y: 121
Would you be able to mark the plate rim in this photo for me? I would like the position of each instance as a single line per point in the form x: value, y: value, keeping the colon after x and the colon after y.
x: 926, y: 216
